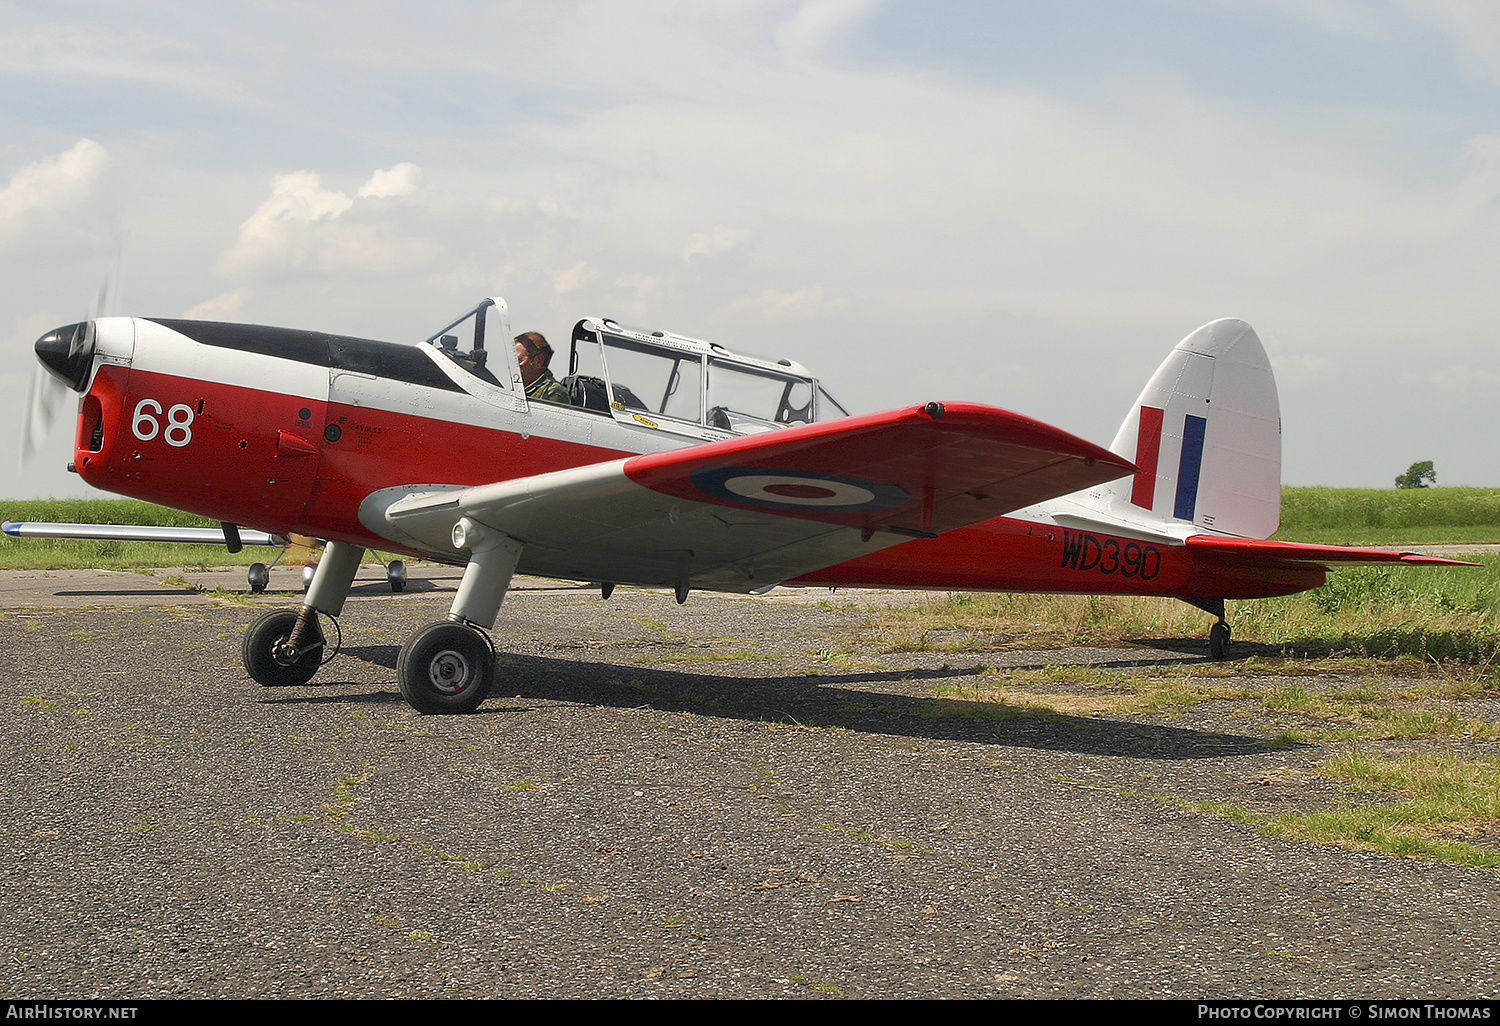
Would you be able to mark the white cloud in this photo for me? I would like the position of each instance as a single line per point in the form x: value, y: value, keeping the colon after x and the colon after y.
x: 573, y: 279
x: 52, y: 184
x: 776, y: 305
x: 375, y: 249
x: 720, y: 240
x: 274, y: 233
x: 1459, y: 379
x: 644, y: 287
x: 303, y: 224
x: 809, y: 30
x: 227, y: 306
x: 400, y: 180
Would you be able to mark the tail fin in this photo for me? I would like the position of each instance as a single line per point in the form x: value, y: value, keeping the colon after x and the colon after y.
x: 1206, y: 433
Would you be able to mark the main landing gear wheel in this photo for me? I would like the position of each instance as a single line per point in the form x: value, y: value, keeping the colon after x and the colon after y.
x: 445, y: 667
x: 270, y: 661
x: 259, y: 576
x: 1218, y: 640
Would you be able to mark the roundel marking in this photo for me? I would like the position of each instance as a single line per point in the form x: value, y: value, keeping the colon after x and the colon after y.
x: 798, y: 489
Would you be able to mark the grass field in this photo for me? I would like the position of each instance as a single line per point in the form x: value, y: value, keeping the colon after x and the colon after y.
x: 77, y: 554
x: 1371, y: 516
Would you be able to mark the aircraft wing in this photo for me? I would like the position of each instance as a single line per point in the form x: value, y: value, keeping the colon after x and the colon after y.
x: 1253, y: 552
x: 746, y: 513
x: 137, y: 532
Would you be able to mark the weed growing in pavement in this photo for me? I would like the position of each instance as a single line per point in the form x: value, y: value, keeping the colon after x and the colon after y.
x: 1424, y: 805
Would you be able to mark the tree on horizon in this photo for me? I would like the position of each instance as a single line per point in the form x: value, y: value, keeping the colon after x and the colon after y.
x: 1418, y: 475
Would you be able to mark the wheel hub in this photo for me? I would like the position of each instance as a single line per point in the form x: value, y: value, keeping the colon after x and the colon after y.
x: 283, y: 652
x: 449, y: 671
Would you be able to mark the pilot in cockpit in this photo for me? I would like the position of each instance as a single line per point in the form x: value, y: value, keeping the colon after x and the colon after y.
x: 532, y: 356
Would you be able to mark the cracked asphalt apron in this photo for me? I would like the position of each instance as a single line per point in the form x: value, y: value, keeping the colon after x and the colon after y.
x: 734, y: 798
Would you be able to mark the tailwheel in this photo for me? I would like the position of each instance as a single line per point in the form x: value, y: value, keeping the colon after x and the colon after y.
x: 270, y: 658
x: 1218, y: 640
x: 445, y: 667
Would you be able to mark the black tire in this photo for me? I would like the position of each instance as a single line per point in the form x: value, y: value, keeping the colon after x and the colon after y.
x: 445, y: 667
x: 270, y: 668
x: 1218, y: 641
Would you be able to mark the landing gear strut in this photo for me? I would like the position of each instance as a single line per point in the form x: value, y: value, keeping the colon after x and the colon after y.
x: 286, y: 647
x: 447, y: 667
x: 444, y: 667
x: 271, y: 658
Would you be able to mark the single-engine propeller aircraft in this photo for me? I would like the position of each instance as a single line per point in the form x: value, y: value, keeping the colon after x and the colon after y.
x: 677, y: 464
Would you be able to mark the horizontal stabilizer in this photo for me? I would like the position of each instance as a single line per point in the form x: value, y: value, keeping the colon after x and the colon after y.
x: 1253, y: 552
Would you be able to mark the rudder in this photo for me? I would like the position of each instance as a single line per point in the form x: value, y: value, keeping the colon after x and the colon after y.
x: 1206, y: 433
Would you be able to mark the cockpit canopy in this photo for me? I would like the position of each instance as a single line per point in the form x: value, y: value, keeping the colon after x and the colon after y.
x: 689, y: 380
x: 657, y: 378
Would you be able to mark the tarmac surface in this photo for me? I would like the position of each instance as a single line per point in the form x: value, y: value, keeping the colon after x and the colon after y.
x: 733, y: 798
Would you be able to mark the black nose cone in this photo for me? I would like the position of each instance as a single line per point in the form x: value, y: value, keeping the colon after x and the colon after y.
x: 68, y: 354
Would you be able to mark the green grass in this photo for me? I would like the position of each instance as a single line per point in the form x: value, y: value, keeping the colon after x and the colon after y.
x: 1426, y: 805
x: 1432, y: 613
x: 1390, y: 516
x: 100, y: 511
x: 90, y: 554
x: 79, y: 554
x: 1383, y: 655
x: 103, y: 554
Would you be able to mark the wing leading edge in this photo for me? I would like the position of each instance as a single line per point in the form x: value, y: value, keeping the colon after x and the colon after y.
x: 137, y: 532
x: 749, y: 512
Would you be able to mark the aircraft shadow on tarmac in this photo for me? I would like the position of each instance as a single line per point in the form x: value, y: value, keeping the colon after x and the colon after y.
x: 839, y: 699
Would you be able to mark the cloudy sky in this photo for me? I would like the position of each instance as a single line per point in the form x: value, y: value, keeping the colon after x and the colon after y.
x: 1022, y: 203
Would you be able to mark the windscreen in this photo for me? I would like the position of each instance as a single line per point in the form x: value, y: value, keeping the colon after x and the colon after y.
x: 655, y: 380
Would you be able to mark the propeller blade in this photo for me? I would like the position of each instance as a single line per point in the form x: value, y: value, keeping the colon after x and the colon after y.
x: 47, y: 397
